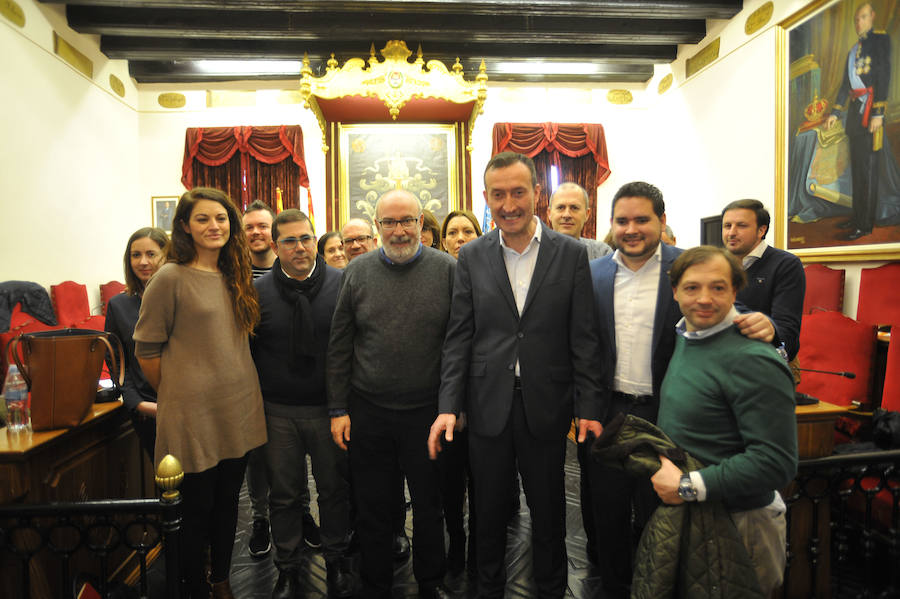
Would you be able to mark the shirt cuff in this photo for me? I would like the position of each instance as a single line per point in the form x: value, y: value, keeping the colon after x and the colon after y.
x: 337, y: 412
x: 699, y: 485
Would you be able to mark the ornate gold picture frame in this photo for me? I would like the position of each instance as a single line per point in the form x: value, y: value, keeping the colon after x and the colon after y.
x: 376, y: 158
x: 815, y: 50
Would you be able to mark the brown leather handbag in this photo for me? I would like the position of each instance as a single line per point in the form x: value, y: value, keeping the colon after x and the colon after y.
x: 61, y: 369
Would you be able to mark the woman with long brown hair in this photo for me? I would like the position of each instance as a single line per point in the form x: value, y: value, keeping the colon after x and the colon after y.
x: 192, y: 341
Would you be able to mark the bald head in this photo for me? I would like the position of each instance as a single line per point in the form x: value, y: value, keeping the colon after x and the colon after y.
x: 358, y: 238
x: 399, y: 219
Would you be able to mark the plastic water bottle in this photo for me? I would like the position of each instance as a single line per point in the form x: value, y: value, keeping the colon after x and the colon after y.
x: 15, y: 391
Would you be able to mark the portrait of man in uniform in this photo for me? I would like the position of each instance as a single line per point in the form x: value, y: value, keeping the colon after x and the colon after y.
x: 843, y: 175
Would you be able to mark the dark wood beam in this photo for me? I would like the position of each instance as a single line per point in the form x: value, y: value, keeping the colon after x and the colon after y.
x: 332, y: 25
x: 151, y: 48
x: 654, y: 9
x: 187, y: 72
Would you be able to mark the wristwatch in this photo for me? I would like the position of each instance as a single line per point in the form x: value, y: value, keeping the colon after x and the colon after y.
x: 686, y: 489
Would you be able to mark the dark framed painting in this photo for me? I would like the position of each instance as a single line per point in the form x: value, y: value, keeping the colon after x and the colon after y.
x: 838, y: 131
x: 162, y: 211
x: 376, y: 158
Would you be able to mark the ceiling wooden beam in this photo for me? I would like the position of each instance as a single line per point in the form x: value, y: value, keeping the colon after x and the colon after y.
x: 654, y: 9
x: 261, y: 24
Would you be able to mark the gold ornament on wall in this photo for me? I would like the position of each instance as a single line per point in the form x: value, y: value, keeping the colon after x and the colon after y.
x: 758, y: 18
x: 664, y: 84
x: 619, y: 96
x: 117, y: 86
x: 394, y: 81
x: 13, y: 12
x: 703, y: 58
x: 172, y: 100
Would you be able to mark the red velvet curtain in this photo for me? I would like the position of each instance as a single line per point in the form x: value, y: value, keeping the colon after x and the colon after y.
x: 246, y: 162
x: 577, y: 150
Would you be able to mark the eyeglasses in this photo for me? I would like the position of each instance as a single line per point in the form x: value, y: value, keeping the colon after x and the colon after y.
x: 360, y: 239
x: 407, y: 223
x: 290, y: 243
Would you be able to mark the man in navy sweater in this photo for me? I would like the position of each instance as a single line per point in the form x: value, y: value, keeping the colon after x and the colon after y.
x: 297, y: 300
x: 776, y: 282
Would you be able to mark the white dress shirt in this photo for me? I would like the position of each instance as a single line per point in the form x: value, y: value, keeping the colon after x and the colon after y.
x: 520, y: 268
x: 754, y: 254
x: 634, y: 309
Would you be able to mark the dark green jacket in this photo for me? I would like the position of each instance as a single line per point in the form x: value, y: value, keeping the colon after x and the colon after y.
x: 688, y: 551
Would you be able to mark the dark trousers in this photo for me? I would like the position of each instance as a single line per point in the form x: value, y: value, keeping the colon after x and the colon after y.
x: 540, y: 464
x: 609, y: 499
x: 455, y: 473
x: 380, y: 439
x: 295, y: 432
x: 209, y: 507
x: 864, y: 168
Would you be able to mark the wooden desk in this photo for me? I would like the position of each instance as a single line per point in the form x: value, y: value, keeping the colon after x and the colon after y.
x: 98, y: 459
x: 815, y: 429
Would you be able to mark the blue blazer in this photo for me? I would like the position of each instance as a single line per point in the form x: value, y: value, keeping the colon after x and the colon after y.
x: 603, y: 274
x: 554, y: 340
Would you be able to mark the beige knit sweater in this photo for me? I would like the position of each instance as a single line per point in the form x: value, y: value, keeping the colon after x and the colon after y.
x: 209, y: 402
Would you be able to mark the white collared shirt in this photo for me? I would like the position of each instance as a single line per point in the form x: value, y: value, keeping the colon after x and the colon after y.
x: 520, y: 268
x: 755, y: 254
x: 634, y: 308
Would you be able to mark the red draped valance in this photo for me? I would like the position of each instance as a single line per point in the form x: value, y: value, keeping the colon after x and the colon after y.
x: 214, y: 146
x: 570, y: 140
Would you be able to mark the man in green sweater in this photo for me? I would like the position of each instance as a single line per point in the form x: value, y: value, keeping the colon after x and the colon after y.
x: 728, y: 401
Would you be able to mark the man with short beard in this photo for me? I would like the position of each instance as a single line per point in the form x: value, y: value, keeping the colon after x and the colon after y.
x: 258, y: 220
x: 383, y: 375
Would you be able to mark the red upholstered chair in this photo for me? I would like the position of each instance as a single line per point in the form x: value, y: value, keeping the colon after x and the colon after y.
x: 878, y: 295
x: 824, y: 289
x: 108, y: 290
x: 831, y: 341
x: 70, y: 302
x: 890, y: 396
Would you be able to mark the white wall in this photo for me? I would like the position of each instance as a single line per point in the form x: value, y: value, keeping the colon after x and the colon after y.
x: 70, y: 157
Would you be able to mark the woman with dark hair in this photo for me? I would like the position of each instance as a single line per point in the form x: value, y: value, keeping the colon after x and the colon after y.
x: 331, y: 248
x: 459, y: 228
x: 431, y: 231
x: 145, y: 252
x: 192, y: 341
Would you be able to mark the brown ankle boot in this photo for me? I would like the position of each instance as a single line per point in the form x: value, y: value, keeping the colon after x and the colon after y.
x: 221, y: 590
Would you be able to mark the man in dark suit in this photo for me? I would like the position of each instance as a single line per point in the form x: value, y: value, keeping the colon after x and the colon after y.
x: 636, y: 317
x: 519, y: 343
x: 776, y: 282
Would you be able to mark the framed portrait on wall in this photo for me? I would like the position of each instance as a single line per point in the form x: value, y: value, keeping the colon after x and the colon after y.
x: 838, y: 131
x: 376, y: 158
x: 162, y: 211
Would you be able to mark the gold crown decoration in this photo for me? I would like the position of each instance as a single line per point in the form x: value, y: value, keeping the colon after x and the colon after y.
x: 816, y: 110
x: 394, y: 81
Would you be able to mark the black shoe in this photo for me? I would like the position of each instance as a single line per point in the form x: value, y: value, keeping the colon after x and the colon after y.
x: 339, y: 577
x: 437, y: 592
x: 287, y: 586
x: 856, y: 234
x: 260, y: 543
x: 401, y: 547
x: 311, y: 535
x: 847, y: 224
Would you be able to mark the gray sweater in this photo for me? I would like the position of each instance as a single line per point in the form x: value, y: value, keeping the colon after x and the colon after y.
x: 388, y: 330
